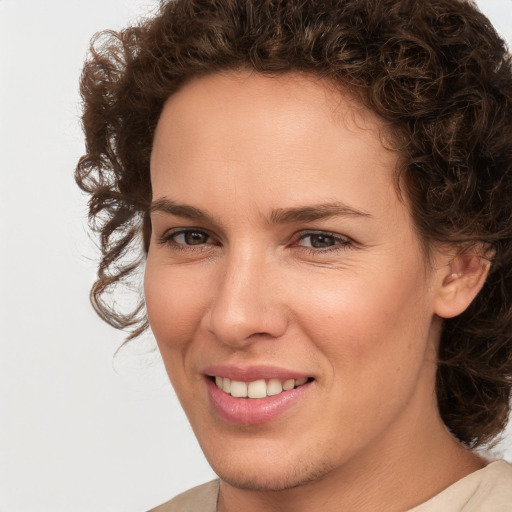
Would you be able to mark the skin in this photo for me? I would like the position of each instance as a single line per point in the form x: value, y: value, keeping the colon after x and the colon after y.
x: 361, y: 314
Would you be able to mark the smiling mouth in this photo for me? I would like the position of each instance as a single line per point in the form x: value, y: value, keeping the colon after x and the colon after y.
x: 258, y: 388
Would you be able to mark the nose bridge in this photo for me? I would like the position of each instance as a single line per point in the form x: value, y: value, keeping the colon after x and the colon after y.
x: 245, y: 303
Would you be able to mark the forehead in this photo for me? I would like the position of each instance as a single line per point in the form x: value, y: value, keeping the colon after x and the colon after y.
x: 280, y: 100
x: 270, y: 139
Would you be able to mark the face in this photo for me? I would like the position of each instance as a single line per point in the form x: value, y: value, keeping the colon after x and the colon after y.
x: 283, y: 265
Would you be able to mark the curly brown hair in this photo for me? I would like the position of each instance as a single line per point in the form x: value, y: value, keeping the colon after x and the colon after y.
x: 436, y: 71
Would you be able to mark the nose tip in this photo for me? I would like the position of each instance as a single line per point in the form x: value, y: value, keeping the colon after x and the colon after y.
x: 246, y: 307
x: 236, y: 331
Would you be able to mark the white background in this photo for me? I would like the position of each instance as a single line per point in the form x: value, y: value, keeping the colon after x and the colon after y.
x: 78, y: 431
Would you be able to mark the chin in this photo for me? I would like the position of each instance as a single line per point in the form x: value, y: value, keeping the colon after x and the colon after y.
x: 269, y: 477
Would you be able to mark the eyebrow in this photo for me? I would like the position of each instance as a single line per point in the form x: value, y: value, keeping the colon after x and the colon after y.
x: 165, y: 205
x: 314, y: 212
x: 278, y: 216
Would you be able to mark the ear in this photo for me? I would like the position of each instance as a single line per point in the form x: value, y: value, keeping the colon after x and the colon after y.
x: 461, y: 280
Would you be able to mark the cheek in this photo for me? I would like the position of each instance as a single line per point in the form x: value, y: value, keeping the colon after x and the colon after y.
x: 175, y: 303
x: 373, y: 337
x: 368, y: 327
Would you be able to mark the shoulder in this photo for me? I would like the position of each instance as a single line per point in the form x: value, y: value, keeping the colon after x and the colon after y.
x: 202, y: 498
x: 489, y: 488
x: 496, y: 486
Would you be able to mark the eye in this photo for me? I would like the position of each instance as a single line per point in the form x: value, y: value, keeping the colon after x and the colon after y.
x: 320, y: 241
x: 323, y: 241
x: 191, y: 237
x: 186, y: 238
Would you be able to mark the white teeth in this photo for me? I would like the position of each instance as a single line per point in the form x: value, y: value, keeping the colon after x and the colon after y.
x: 226, y: 384
x: 288, y: 384
x: 258, y: 388
x: 274, y: 387
x: 238, y: 389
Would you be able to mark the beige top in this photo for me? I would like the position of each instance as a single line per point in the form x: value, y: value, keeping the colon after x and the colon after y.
x: 486, y: 490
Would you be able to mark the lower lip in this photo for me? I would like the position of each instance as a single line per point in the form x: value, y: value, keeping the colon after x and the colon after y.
x: 254, y: 411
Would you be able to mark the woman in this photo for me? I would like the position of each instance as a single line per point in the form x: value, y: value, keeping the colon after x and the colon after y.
x: 320, y: 193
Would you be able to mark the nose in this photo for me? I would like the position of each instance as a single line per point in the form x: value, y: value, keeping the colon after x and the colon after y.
x: 246, y: 305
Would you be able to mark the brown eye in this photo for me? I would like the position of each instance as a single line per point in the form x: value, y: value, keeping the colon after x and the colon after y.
x: 194, y: 237
x: 186, y: 237
x: 189, y: 240
x: 321, y: 241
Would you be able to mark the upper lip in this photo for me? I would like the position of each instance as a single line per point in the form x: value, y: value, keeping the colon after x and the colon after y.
x: 252, y: 373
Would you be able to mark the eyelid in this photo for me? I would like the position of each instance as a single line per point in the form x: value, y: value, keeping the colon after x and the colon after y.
x: 342, y: 241
x: 311, y: 232
x: 169, y: 235
x: 169, y: 238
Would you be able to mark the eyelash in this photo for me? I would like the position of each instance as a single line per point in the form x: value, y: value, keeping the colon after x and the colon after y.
x: 169, y: 238
x: 339, y: 242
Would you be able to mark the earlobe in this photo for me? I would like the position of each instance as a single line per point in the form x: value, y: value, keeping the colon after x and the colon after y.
x: 461, y: 280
